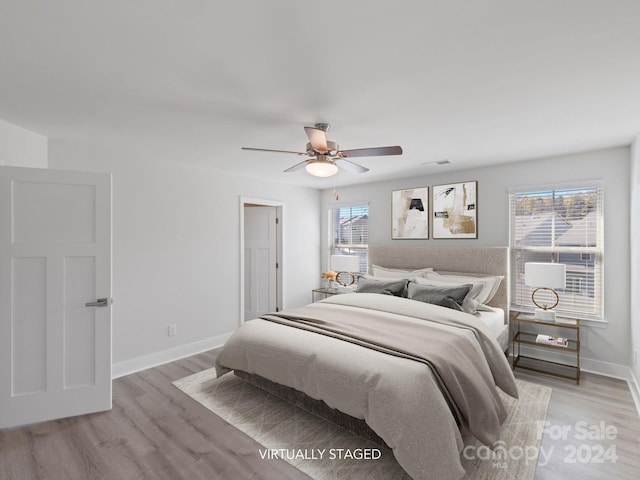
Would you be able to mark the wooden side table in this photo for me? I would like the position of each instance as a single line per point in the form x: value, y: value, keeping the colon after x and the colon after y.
x: 528, y: 336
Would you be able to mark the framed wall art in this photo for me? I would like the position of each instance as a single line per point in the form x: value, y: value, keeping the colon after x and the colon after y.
x: 410, y: 214
x: 455, y: 210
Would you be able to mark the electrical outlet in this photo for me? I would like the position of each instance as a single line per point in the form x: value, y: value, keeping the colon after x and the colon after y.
x: 172, y: 330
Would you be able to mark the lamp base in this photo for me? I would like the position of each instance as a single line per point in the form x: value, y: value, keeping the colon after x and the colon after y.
x: 545, y: 315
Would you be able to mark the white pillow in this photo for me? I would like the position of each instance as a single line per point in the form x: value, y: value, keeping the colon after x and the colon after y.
x: 469, y: 304
x: 379, y: 271
x: 489, y: 284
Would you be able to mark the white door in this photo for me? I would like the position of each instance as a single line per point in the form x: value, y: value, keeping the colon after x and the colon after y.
x: 260, y: 259
x: 55, y: 257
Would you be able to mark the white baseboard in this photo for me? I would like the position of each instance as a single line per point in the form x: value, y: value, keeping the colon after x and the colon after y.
x: 137, y: 364
x: 607, y: 369
x: 635, y: 389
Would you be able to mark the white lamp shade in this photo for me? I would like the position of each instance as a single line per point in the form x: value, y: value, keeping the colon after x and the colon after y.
x: 345, y: 263
x: 549, y: 275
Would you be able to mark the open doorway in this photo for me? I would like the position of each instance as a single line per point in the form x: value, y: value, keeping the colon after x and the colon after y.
x: 260, y: 257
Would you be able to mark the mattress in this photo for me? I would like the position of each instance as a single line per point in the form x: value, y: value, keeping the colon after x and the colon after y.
x: 493, y: 319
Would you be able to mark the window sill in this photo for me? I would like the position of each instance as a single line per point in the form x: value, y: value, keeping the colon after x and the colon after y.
x: 585, y: 321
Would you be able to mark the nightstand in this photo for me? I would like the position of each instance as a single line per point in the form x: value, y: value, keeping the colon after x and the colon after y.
x: 525, y: 329
x: 323, y: 291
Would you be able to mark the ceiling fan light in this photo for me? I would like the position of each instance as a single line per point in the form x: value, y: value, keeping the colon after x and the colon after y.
x: 321, y: 168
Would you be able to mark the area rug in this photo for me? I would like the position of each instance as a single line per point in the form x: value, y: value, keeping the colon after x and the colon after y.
x: 299, y: 436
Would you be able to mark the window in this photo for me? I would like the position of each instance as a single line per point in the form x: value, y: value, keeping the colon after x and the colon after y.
x: 563, y: 225
x: 349, y: 232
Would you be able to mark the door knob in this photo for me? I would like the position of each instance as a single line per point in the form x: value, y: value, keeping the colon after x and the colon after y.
x: 101, y: 302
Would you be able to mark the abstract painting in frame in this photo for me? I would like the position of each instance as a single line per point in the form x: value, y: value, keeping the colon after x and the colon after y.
x: 410, y: 214
x: 455, y: 210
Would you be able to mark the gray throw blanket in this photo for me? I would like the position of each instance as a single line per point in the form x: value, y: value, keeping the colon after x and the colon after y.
x: 464, y: 375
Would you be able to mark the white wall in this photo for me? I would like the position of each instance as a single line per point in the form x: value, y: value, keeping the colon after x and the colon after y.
x: 610, y: 344
x: 20, y: 147
x: 176, y: 251
x: 635, y: 260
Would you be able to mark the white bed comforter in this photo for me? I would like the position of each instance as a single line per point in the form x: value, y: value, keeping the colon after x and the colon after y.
x: 399, y: 398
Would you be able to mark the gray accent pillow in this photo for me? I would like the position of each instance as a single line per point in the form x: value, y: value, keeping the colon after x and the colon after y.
x: 470, y: 304
x: 450, y: 297
x: 386, y: 287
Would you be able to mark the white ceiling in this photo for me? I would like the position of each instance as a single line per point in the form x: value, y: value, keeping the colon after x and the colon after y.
x: 475, y: 82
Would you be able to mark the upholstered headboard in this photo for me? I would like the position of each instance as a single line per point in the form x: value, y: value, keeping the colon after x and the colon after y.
x: 475, y: 261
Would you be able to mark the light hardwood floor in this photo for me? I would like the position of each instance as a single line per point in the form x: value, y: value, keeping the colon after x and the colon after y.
x: 598, y: 407
x: 156, y: 432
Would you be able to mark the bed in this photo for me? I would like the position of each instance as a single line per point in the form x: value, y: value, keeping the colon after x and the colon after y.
x: 417, y: 374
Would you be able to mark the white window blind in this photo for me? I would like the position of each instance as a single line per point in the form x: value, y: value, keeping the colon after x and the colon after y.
x: 563, y: 225
x: 349, y: 232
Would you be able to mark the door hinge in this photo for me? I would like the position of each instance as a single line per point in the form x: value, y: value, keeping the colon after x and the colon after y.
x: 277, y: 309
x: 277, y: 220
x: 277, y: 265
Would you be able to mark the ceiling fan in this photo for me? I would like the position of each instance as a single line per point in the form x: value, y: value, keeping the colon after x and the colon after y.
x: 327, y: 156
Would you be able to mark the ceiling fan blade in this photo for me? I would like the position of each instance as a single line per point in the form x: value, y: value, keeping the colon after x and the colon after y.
x: 352, y: 167
x: 370, y: 152
x: 275, y: 151
x: 317, y: 138
x: 297, y: 166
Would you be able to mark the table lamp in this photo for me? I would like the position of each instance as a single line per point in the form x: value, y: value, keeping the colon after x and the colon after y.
x: 344, y: 266
x: 545, y: 276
